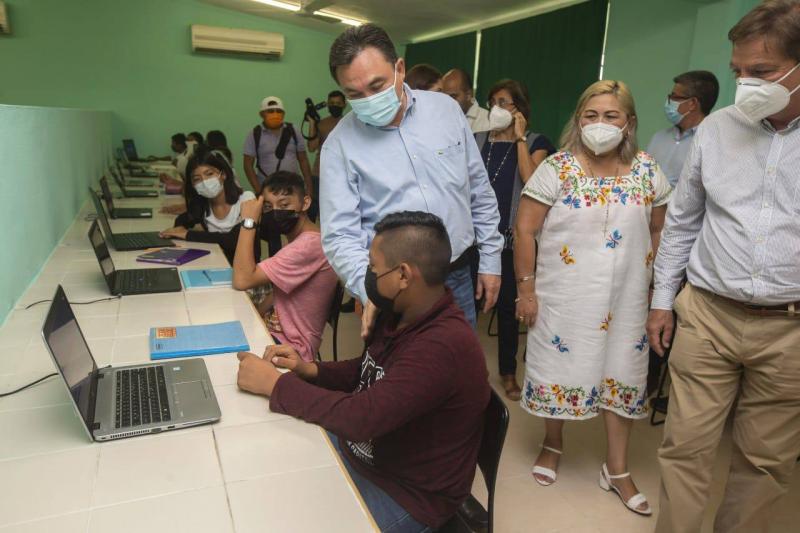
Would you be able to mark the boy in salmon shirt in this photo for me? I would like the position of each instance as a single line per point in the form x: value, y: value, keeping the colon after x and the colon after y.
x: 303, y: 283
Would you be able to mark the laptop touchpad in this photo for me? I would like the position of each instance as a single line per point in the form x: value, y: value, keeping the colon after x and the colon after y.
x: 191, y: 398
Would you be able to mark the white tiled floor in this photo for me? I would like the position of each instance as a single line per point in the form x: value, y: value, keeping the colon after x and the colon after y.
x: 575, y: 503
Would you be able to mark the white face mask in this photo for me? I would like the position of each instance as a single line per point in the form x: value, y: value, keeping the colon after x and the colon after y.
x: 758, y: 99
x: 601, y: 138
x: 499, y: 118
x: 209, y: 188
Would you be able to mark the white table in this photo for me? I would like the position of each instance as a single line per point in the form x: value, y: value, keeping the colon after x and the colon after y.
x: 254, y: 471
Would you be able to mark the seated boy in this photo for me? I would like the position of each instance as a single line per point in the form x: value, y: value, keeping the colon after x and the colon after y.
x: 409, y: 412
x: 302, y: 280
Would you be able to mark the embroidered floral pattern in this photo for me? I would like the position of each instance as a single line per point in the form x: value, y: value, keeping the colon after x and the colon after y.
x: 559, y: 344
x: 555, y: 400
x: 619, y: 396
x: 566, y: 256
x: 641, y: 344
x: 648, y: 261
x: 614, y: 239
x: 580, y: 190
x: 606, y: 321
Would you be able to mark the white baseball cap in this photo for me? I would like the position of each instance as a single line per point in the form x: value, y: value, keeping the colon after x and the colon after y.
x: 272, y: 102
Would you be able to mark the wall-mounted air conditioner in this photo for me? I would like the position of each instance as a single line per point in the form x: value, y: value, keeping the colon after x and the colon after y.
x: 4, y: 24
x: 234, y: 41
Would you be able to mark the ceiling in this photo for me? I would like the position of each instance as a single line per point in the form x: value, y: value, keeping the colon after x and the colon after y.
x: 405, y: 20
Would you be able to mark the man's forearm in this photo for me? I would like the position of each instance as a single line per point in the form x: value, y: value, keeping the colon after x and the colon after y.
x: 244, y: 263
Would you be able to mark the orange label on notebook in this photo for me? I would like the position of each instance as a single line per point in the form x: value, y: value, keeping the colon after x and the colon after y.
x: 166, y: 333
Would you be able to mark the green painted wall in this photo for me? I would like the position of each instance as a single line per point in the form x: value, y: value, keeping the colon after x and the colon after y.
x: 44, y: 186
x: 134, y: 58
x: 652, y: 41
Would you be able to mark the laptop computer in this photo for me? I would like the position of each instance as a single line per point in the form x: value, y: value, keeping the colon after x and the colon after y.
x: 130, y: 150
x: 124, y: 242
x: 135, y: 165
x: 121, y: 212
x: 119, y: 177
x: 131, y: 281
x: 114, y: 403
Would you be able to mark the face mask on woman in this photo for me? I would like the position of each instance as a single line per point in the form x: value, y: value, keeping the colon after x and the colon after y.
x: 209, y: 187
x: 758, y: 99
x: 499, y: 118
x: 601, y: 138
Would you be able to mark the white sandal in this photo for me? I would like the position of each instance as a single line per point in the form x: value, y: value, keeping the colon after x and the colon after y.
x: 634, y: 502
x: 542, y: 471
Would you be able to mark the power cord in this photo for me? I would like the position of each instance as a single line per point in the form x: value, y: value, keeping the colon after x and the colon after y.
x: 31, y: 384
x: 71, y: 303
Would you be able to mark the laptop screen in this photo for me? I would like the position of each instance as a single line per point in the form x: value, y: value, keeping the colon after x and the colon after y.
x: 101, y: 251
x: 71, y: 354
x: 130, y: 149
x: 107, y: 194
x: 101, y: 215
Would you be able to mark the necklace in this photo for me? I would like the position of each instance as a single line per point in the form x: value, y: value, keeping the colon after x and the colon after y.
x: 603, y: 194
x: 502, y: 162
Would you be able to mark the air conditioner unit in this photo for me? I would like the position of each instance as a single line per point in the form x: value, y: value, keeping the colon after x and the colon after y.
x: 4, y: 27
x: 239, y: 42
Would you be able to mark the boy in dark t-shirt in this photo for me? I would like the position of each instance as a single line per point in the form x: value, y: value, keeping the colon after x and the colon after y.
x: 409, y: 412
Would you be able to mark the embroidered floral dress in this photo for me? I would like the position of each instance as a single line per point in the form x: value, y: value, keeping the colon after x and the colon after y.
x: 588, y: 349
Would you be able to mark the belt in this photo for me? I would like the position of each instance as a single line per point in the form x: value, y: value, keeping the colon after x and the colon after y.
x: 791, y: 309
x: 464, y: 259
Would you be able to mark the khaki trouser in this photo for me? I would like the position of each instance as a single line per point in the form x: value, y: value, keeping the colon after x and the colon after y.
x: 721, y: 352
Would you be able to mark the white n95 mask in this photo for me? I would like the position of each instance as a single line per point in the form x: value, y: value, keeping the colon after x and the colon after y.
x: 209, y: 188
x: 499, y: 118
x: 601, y: 138
x: 758, y: 99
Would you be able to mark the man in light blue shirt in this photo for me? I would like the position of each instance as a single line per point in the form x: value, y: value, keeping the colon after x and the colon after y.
x: 402, y: 150
x: 692, y: 98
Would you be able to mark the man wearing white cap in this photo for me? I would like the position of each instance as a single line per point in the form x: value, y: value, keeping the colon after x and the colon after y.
x: 274, y: 145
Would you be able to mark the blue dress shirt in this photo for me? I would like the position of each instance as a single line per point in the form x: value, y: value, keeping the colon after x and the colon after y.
x: 670, y: 147
x: 430, y: 162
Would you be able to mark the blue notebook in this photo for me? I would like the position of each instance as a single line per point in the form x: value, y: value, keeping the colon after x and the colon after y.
x: 207, y: 278
x: 205, y: 339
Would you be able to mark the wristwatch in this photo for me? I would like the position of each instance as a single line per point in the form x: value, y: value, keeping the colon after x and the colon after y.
x: 248, y: 223
x: 521, y: 140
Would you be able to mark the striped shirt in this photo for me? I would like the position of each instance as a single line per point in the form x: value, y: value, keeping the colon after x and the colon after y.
x: 733, y: 225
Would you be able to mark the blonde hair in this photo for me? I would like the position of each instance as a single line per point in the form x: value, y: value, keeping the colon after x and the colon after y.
x: 571, y: 138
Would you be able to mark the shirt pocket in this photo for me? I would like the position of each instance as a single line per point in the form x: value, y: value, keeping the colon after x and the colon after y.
x: 452, y: 165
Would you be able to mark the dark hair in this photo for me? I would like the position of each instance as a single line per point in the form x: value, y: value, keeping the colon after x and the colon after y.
x: 777, y: 21
x: 518, y: 92
x: 198, y: 206
x: 417, y: 238
x: 422, y: 76
x: 466, y: 78
x: 285, y: 182
x: 215, y: 139
x: 353, y: 40
x: 196, y: 136
x: 336, y: 93
x: 179, y: 138
x: 700, y: 84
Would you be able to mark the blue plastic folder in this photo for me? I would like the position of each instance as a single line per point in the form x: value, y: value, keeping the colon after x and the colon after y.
x: 207, y: 278
x: 206, y: 339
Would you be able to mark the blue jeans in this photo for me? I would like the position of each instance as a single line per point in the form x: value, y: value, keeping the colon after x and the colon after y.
x: 460, y: 282
x: 387, y: 513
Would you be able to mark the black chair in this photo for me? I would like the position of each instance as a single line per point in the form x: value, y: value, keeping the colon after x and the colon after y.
x: 522, y: 329
x: 471, y: 516
x: 333, y: 319
x: 660, y: 402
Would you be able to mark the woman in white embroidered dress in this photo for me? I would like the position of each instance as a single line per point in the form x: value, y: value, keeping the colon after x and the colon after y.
x: 596, y: 209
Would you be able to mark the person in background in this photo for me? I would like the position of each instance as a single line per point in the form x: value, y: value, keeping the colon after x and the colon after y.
x: 734, y: 229
x: 594, y: 213
x: 216, y: 141
x: 692, y: 98
x: 319, y: 132
x: 407, y: 416
x: 182, y: 150
x: 457, y: 84
x: 424, y: 77
x: 402, y: 150
x: 195, y: 137
x: 271, y: 146
x: 511, y: 154
x: 302, y: 280
x: 213, y: 204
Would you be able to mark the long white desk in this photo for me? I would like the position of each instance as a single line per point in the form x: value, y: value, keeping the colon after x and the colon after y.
x: 254, y: 471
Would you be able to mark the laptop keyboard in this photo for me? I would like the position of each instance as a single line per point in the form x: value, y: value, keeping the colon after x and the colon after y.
x: 141, y: 397
x: 144, y: 240
x: 136, y: 280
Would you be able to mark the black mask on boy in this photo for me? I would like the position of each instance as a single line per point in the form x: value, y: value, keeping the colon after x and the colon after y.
x: 383, y: 303
x: 284, y: 220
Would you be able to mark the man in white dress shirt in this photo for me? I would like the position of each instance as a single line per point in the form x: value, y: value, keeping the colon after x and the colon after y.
x: 458, y: 85
x: 734, y: 227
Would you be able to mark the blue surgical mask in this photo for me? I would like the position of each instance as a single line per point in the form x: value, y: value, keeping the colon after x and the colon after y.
x: 671, y: 111
x: 378, y: 109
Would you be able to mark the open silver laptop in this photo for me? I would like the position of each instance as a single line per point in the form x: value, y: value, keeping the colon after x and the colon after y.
x: 115, y: 403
